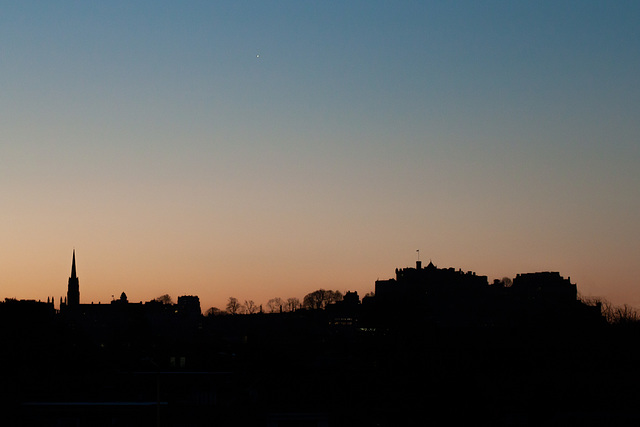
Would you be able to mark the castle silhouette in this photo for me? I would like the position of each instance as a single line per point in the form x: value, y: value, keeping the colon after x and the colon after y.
x: 440, y: 297
x: 471, y: 344
x: 446, y: 297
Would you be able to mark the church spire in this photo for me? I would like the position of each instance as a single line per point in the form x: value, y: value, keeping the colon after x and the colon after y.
x: 73, y: 265
x: 73, y: 290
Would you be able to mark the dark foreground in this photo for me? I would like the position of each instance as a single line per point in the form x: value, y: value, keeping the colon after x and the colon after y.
x: 299, y: 369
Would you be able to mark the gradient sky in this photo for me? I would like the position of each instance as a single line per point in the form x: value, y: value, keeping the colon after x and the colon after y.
x: 263, y: 149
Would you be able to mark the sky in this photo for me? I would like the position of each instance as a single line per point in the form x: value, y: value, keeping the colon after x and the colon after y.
x: 263, y: 149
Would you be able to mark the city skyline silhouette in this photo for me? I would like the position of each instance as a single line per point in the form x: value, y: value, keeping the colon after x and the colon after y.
x: 318, y: 213
x: 268, y: 150
x: 72, y: 296
x: 528, y: 349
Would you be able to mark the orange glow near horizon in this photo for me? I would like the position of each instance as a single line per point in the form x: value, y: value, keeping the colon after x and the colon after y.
x: 154, y: 142
x: 259, y: 279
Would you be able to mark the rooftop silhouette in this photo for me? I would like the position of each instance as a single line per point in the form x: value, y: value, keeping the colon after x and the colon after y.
x: 482, y: 353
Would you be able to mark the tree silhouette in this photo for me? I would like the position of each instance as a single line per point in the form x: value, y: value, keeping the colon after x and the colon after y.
x: 213, y: 311
x: 319, y: 299
x: 233, y: 306
x: 506, y: 282
x: 275, y: 305
x: 165, y: 299
x: 292, y: 304
x: 250, y: 307
x: 625, y: 315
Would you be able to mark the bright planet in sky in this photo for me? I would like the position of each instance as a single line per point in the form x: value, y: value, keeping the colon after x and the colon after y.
x: 497, y: 137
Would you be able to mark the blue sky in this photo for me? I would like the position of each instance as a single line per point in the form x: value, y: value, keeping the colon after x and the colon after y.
x: 262, y: 149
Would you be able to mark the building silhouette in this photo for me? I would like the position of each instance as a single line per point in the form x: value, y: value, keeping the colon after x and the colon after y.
x: 73, y: 289
x: 446, y: 297
x: 485, y: 351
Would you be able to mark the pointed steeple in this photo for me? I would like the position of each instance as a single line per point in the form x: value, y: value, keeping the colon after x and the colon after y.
x: 73, y: 265
x: 73, y: 290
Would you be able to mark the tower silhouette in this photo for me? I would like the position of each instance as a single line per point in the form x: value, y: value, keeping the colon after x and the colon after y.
x: 73, y: 291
